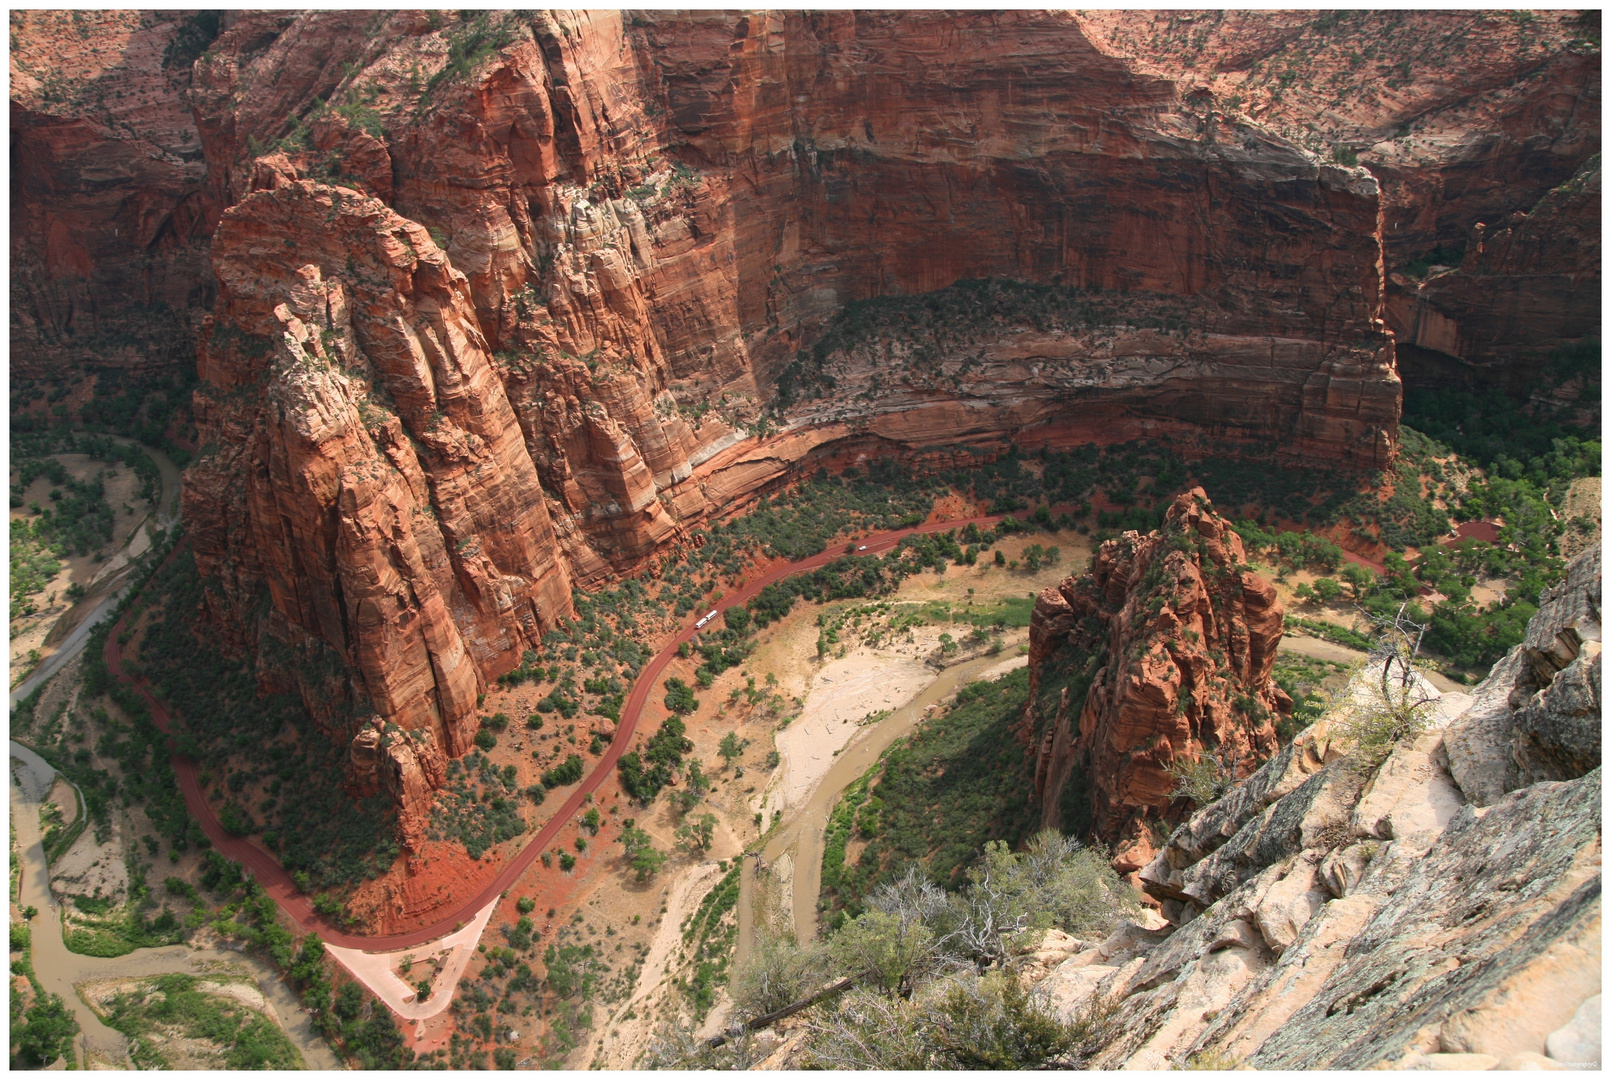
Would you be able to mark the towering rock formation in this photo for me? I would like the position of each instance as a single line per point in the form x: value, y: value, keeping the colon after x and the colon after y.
x: 367, y: 469
x: 1161, y: 653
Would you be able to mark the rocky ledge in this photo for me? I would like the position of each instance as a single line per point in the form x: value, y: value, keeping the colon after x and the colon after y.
x: 1439, y: 911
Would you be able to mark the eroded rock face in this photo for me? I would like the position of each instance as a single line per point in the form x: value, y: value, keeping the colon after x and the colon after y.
x: 369, y: 472
x: 1464, y: 119
x: 1538, y: 715
x: 1406, y: 90
x: 110, y: 213
x: 1161, y: 653
x: 1416, y: 915
x: 1528, y: 285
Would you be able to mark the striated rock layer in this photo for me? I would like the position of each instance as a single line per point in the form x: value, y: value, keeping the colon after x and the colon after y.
x: 502, y: 298
x: 110, y: 215
x: 367, y: 471
x: 1161, y: 653
x: 1441, y: 910
x: 1528, y: 285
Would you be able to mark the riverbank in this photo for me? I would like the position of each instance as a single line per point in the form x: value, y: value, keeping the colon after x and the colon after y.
x: 60, y: 971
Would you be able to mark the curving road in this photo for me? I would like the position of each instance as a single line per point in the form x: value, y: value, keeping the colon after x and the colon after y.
x: 277, y: 882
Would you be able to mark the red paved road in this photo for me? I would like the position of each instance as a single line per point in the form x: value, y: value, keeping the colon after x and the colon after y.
x: 277, y: 882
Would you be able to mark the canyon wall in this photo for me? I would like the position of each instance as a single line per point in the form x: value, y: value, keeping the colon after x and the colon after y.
x: 110, y: 212
x: 506, y: 301
x: 1158, y: 656
x: 501, y: 299
x: 1527, y: 286
x: 1469, y: 121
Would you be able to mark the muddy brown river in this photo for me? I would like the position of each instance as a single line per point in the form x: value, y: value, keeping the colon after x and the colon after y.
x: 59, y: 970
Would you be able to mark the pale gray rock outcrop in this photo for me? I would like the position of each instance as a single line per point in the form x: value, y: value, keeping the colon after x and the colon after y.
x: 1537, y: 714
x: 1441, y: 911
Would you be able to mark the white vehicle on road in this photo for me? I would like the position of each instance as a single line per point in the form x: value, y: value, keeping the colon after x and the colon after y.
x: 703, y: 619
x: 862, y: 548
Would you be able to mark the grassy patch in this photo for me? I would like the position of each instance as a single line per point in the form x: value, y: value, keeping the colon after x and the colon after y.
x: 168, y: 1008
x: 710, y: 933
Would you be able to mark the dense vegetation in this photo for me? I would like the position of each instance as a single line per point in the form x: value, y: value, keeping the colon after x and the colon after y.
x: 78, y: 519
x: 244, y: 739
x: 935, y: 799
x: 143, y: 406
x: 480, y: 807
x: 921, y: 979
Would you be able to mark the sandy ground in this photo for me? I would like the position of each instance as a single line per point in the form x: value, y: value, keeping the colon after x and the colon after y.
x: 86, y: 570
x: 59, y: 626
x: 378, y: 971
x: 841, y: 694
x: 620, y: 1040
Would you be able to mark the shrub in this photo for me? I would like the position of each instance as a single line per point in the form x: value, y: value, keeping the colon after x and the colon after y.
x: 680, y: 697
x: 567, y: 772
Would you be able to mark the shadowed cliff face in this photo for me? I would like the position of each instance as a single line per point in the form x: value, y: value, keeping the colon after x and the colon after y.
x: 1528, y: 285
x: 110, y: 214
x: 1160, y: 653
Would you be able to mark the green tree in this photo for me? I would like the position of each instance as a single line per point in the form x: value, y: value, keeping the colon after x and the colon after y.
x: 731, y: 747
x: 894, y: 950
x: 695, y: 837
x: 48, y: 1033
x: 1327, y: 589
x: 647, y: 863
x: 1360, y: 581
x: 680, y: 697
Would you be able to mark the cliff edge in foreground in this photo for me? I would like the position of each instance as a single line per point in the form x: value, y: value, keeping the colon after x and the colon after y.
x: 1441, y: 910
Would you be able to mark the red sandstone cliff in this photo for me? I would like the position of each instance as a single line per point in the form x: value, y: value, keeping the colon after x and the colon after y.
x: 110, y: 214
x: 501, y: 296
x: 367, y: 467
x: 1161, y: 652
x: 1528, y: 285
x: 1464, y: 117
